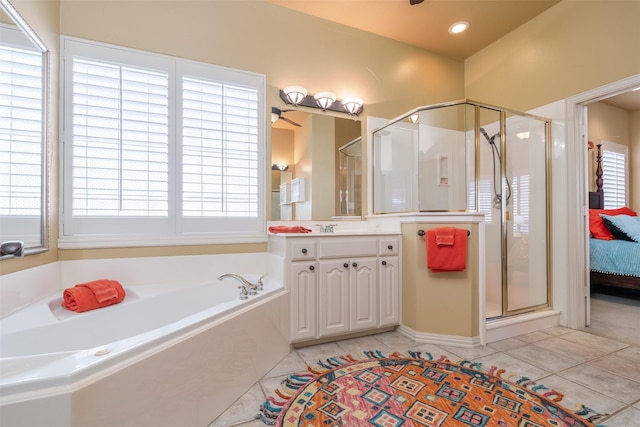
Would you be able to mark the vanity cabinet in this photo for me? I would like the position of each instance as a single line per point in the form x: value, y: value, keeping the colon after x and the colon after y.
x: 340, y: 284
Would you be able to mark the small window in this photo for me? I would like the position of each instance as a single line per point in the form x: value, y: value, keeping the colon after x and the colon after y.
x: 160, y: 146
x: 614, y: 174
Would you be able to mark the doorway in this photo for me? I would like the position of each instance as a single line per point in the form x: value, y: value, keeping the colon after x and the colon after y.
x: 579, y: 304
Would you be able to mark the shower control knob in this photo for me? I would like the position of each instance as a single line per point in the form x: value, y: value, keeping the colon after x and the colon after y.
x: 311, y: 267
x: 355, y: 264
x: 304, y: 250
x: 384, y: 262
x: 345, y: 265
x: 390, y: 247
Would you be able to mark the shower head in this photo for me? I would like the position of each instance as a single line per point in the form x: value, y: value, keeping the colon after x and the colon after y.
x: 486, y: 135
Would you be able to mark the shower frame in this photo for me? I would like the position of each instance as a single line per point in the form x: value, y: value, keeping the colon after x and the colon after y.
x: 504, y: 209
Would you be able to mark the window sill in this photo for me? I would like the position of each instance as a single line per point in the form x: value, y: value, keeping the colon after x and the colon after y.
x: 97, y: 242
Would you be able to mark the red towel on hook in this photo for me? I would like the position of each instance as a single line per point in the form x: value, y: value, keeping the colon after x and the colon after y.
x: 91, y: 295
x: 446, y: 249
x: 288, y: 229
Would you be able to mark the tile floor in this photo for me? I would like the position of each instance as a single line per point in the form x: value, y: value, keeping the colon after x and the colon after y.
x: 596, y: 371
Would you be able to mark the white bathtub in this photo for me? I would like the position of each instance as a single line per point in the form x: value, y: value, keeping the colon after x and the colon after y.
x: 167, y: 355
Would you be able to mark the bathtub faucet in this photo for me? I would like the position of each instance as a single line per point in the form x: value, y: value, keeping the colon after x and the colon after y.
x: 247, y: 287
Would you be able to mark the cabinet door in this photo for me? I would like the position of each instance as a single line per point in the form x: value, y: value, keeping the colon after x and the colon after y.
x: 333, y: 297
x: 363, y: 293
x: 303, y: 298
x: 388, y: 284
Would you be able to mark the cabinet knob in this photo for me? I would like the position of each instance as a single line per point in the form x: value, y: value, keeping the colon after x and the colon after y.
x: 345, y: 265
x: 384, y: 262
x: 311, y: 267
x: 355, y: 264
x: 390, y: 247
x: 304, y: 250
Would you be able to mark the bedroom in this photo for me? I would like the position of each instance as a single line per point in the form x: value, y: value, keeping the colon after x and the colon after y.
x: 613, y: 123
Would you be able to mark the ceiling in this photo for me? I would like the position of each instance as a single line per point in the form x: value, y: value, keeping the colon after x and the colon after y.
x: 425, y: 25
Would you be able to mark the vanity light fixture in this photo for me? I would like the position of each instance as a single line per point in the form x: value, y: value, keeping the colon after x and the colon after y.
x: 352, y: 105
x: 279, y: 167
x: 292, y: 95
x: 325, y: 99
x: 295, y: 94
x: 458, y: 27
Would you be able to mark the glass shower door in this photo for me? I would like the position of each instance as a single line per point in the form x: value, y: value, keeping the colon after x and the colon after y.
x: 525, y: 207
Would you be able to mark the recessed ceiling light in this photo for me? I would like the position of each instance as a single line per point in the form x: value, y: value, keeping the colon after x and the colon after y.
x: 458, y: 27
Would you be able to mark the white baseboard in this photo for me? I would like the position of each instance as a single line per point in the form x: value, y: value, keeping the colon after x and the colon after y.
x: 439, y: 339
x: 508, y: 327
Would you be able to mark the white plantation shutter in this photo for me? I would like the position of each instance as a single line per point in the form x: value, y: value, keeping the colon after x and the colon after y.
x: 520, y: 190
x: 614, y: 175
x: 120, y: 140
x: 485, y: 198
x: 220, y: 150
x: 159, y: 146
x: 20, y: 130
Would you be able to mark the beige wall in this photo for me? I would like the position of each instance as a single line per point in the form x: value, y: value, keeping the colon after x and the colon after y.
x: 607, y: 123
x: 573, y: 47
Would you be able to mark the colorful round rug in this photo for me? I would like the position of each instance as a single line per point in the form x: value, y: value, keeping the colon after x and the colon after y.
x: 391, y: 392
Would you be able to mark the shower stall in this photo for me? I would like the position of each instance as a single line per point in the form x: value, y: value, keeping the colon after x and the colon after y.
x: 466, y: 156
x: 350, y: 178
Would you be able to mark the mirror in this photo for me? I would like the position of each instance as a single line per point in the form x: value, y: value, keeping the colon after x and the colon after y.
x: 316, y: 166
x: 23, y: 75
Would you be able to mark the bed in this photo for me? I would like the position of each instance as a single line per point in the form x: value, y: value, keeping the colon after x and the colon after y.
x: 614, y: 246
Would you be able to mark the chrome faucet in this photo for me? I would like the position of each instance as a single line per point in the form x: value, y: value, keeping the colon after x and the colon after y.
x: 247, y: 288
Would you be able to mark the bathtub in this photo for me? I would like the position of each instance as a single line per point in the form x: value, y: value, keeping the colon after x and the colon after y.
x: 167, y: 355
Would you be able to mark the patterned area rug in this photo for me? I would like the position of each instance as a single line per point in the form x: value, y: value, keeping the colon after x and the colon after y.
x: 415, y: 390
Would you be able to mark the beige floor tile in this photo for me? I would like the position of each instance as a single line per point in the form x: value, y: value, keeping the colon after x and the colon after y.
x: 533, y: 336
x: 576, y: 394
x: 507, y: 344
x: 589, y: 340
x: 355, y: 346
x: 395, y: 340
x: 605, y: 382
x: 632, y: 353
x: 514, y: 368
x: 243, y: 410
x: 630, y: 417
x: 542, y: 358
x: 468, y: 353
x: 290, y: 364
x: 556, y: 331
x: 579, y: 352
x: 312, y: 354
x: 619, y: 365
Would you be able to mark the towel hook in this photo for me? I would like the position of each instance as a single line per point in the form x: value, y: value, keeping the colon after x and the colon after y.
x: 421, y: 233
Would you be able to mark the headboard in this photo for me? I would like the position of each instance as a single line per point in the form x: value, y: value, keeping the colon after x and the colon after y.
x: 596, y: 198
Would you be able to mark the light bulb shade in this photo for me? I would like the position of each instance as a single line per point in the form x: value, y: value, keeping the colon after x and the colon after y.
x: 352, y: 105
x: 414, y: 118
x: 274, y: 117
x: 325, y: 99
x: 279, y: 167
x: 295, y: 94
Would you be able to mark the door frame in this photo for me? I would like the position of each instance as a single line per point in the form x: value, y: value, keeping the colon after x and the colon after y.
x: 578, y: 295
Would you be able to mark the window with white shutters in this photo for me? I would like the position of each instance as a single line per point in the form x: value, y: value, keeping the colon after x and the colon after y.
x: 160, y: 146
x: 614, y: 174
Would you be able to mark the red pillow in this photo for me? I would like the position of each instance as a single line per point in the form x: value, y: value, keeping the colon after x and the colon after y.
x: 597, y: 226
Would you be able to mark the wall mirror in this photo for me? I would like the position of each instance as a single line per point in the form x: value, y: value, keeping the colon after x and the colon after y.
x: 23, y: 76
x: 321, y: 152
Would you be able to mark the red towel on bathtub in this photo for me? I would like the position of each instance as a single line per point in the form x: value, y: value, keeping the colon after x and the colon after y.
x: 288, y: 229
x: 92, y: 295
x: 446, y: 249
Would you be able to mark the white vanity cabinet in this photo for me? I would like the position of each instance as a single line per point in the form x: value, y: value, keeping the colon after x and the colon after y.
x: 340, y: 284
